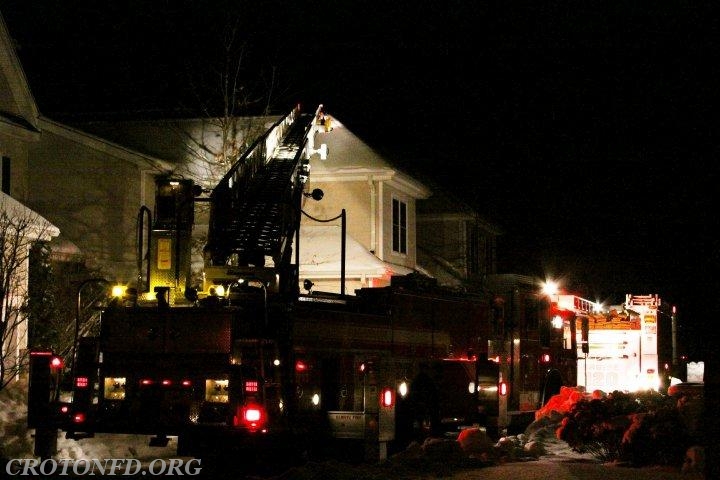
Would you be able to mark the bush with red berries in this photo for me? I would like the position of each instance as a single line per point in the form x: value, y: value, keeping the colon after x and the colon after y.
x: 638, y: 428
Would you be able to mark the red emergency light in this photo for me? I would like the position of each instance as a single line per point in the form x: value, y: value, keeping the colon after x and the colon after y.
x: 56, y: 362
x: 387, y: 397
x: 503, y: 388
x: 252, y: 417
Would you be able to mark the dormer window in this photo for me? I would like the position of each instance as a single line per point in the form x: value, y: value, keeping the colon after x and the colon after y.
x: 399, y: 224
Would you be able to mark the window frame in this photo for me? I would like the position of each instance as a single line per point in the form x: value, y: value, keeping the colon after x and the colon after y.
x: 399, y: 226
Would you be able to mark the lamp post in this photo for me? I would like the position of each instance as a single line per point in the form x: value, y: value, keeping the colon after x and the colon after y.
x: 343, y: 230
x: 317, y: 195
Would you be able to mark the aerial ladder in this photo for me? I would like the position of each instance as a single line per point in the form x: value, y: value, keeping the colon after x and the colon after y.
x: 174, y: 357
x: 254, y: 217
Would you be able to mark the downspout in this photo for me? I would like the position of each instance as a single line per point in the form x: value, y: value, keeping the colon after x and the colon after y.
x: 373, y: 210
x: 380, y: 244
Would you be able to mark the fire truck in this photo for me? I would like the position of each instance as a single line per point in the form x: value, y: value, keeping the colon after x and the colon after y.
x: 238, y: 356
x: 619, y: 347
x: 534, y: 356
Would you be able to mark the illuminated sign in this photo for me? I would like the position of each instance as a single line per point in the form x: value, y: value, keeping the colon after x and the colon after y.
x: 164, y: 254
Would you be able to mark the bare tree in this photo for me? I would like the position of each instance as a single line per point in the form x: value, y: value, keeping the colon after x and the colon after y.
x: 233, y: 99
x: 20, y: 229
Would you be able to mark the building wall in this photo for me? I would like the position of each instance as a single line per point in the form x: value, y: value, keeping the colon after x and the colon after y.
x: 17, y: 151
x: 193, y: 146
x: 446, y: 238
x: 354, y: 197
x: 455, y: 244
x: 369, y: 221
x: 94, y: 197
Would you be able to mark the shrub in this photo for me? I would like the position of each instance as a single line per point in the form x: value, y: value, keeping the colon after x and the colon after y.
x: 640, y: 428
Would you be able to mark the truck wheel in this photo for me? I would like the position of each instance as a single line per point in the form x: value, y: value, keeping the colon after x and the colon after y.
x: 45, y: 442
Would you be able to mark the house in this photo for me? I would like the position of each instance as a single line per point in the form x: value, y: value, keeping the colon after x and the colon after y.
x: 379, y: 201
x: 395, y: 224
x: 20, y: 226
x: 352, y: 176
x: 455, y: 244
x: 81, y: 191
x: 392, y: 220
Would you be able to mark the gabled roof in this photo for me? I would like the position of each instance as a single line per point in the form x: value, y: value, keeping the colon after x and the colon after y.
x: 102, y: 145
x: 38, y: 227
x: 17, y: 105
x: 353, y: 159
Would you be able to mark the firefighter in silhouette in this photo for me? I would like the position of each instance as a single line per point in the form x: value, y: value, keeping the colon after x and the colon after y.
x: 425, y: 402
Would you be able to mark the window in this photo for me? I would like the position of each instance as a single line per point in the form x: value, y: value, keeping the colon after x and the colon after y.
x: 399, y: 222
x: 5, y: 181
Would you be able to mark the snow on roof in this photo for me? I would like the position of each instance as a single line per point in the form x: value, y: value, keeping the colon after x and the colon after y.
x: 320, y: 255
x: 40, y: 228
x: 349, y: 157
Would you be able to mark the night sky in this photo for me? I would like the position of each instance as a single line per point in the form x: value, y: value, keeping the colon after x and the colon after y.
x: 582, y: 131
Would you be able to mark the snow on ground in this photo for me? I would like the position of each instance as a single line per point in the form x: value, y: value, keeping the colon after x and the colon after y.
x: 443, y: 459
x: 16, y: 441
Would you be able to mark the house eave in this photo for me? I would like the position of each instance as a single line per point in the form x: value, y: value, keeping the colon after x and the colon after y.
x: 102, y: 145
x: 38, y: 227
x: 392, y: 177
x: 458, y: 217
x: 18, y: 127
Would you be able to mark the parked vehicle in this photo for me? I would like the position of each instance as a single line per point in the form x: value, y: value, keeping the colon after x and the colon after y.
x: 240, y: 358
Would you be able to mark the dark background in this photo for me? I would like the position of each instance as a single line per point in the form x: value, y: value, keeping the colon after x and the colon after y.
x: 582, y: 131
